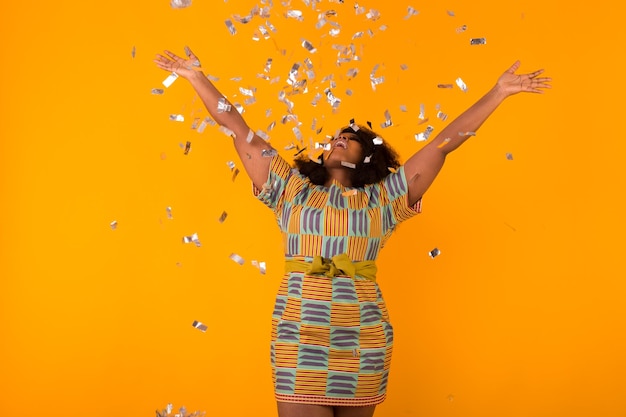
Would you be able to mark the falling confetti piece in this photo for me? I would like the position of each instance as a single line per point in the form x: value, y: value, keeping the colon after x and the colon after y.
x: 187, y: 148
x: 235, y: 173
x: 223, y: 106
x: 180, y: 4
x: 157, y: 91
x: 269, y: 153
x: 223, y: 217
x: 509, y: 156
x: 177, y: 117
x: 236, y: 258
x: 461, y: 29
x: 445, y: 86
x: 444, y: 143
x: 441, y: 115
x: 478, y: 41
x: 308, y: 46
x: 169, y: 213
x: 132, y: 53
x: 411, y: 12
x: 461, y: 84
x: 200, y: 326
x: 260, y: 265
x: 192, y: 239
x: 113, y: 225
x: 170, y: 79
x: 421, y: 137
x: 450, y: 13
x: 434, y: 253
x: 231, y: 27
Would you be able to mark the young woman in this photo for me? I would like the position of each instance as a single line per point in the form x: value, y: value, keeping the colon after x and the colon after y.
x: 331, y: 337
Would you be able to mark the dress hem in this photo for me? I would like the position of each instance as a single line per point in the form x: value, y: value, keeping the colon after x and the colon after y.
x: 330, y: 401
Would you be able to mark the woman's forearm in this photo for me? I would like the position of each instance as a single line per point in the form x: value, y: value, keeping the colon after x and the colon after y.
x: 468, y: 122
x: 211, y: 97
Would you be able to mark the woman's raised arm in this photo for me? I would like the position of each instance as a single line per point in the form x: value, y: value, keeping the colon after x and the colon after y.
x: 249, y: 146
x: 422, y: 168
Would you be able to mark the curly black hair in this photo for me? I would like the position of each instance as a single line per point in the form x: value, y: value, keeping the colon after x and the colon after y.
x: 376, y: 151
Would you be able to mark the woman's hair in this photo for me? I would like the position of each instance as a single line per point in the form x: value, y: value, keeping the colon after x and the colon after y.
x: 381, y: 157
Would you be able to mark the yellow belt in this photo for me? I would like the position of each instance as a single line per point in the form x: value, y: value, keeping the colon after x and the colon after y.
x: 337, y: 265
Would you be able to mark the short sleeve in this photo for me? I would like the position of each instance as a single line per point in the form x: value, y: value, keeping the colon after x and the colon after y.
x: 274, y: 188
x: 396, y: 188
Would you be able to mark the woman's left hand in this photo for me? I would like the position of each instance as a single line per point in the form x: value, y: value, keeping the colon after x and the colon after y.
x: 511, y: 83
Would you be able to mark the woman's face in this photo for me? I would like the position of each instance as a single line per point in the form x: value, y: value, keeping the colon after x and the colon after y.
x: 345, y: 147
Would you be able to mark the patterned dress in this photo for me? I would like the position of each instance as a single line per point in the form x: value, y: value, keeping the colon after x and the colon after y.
x: 331, y: 337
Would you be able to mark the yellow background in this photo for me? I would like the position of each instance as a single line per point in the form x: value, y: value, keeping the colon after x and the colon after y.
x: 522, y: 314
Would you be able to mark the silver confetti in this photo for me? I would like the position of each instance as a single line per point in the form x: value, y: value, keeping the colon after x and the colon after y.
x: 231, y: 27
x: 294, y: 14
x: 509, y: 156
x: 461, y: 29
x: 192, y: 239
x: 422, y: 115
x: 223, y: 216
x: 433, y: 253
x: 204, y: 123
x: 200, y: 326
x: 348, y: 164
x: 387, y: 121
x: 250, y: 136
x: 373, y: 15
x: 180, y: 4
x: 420, y: 137
x: 260, y: 265
x: 441, y: 115
x: 308, y: 46
x: 403, y: 108
x: 226, y: 131
x: 237, y: 258
x: 367, y: 159
x: 450, y: 13
x: 461, y: 85
x: 231, y: 165
x: 169, y: 213
x: 222, y: 105
x: 411, y: 12
x: 170, y: 79
x: 262, y: 135
x: 375, y: 80
x: 378, y: 140
x: 247, y: 91
x: 113, y: 225
x: 177, y: 117
x: 478, y: 41
x: 157, y: 91
x: 132, y: 53
x: 268, y: 153
x: 332, y: 100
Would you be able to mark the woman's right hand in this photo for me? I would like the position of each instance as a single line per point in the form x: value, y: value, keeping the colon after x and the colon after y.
x: 185, y: 68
